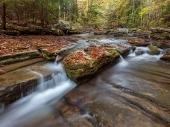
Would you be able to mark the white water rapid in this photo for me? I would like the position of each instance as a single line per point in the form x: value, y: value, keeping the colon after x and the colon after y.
x: 145, y: 55
x: 38, y: 103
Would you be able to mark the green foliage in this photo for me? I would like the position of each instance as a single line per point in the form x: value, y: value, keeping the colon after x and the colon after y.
x: 42, y: 12
x: 93, y: 13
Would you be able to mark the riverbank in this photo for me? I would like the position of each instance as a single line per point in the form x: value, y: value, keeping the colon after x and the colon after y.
x: 128, y: 91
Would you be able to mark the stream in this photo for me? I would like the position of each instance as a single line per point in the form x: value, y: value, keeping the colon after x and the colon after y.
x: 134, y: 92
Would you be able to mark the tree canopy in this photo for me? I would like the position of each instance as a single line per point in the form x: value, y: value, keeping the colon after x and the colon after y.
x: 92, y: 13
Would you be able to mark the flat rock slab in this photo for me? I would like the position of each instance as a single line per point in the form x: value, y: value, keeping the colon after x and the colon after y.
x: 110, y: 110
x: 22, y: 74
x: 21, y: 82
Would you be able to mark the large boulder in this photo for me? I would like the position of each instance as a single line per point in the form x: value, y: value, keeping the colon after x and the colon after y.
x: 63, y: 25
x: 81, y: 64
x: 154, y: 50
x: 166, y: 56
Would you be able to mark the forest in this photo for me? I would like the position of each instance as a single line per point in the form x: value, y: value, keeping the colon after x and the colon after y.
x: 84, y: 63
x: 87, y: 13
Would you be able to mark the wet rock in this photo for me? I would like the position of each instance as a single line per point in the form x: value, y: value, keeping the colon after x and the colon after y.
x: 154, y: 50
x: 138, y: 42
x: 160, y: 33
x: 48, y: 55
x: 121, y: 48
x: 51, y: 54
x: 113, y: 111
x: 80, y: 63
x: 166, y: 56
x: 80, y: 122
x: 139, y: 52
x: 20, y: 82
x: 100, y: 32
x: 128, y: 104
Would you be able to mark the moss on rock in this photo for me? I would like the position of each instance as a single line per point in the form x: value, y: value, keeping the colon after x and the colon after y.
x: 80, y: 63
x: 154, y: 50
x: 48, y: 55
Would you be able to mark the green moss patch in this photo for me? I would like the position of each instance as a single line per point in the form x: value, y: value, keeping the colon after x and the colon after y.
x: 154, y: 50
x: 83, y: 63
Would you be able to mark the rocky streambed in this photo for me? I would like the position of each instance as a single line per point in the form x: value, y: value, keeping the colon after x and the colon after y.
x: 130, y: 91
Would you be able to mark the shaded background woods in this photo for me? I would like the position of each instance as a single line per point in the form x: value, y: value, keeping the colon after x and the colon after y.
x: 92, y: 13
x: 42, y: 12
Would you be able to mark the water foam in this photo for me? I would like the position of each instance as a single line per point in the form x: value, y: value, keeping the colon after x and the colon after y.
x: 38, y: 103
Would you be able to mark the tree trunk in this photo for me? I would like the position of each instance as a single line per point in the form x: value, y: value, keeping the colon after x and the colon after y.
x: 77, y: 13
x: 4, y: 16
x: 42, y: 16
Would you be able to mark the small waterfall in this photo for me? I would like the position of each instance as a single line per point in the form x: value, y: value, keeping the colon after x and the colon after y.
x: 122, y: 62
x: 131, y: 51
x: 41, y: 85
x: 121, y: 58
x: 37, y: 104
x: 144, y: 53
x: 79, y: 117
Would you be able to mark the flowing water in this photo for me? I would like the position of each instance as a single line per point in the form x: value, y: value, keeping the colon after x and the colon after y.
x: 133, y: 92
x: 38, y: 104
